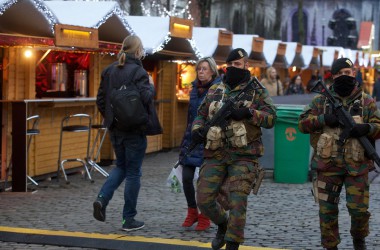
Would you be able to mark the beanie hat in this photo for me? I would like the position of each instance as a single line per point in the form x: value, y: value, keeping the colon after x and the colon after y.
x: 339, y: 64
x: 236, y: 54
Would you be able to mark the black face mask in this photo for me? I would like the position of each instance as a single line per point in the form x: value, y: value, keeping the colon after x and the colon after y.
x: 235, y: 76
x: 344, y: 85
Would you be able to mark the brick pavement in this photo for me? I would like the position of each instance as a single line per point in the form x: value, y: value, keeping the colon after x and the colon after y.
x: 282, y: 215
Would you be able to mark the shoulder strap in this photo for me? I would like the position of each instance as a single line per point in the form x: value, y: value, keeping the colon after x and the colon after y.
x: 131, y: 79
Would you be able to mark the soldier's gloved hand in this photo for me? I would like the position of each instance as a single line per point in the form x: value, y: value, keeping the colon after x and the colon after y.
x: 331, y: 120
x: 240, y: 114
x: 197, y: 135
x: 360, y: 130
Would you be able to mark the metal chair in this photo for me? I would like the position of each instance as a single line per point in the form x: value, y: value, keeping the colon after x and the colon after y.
x: 29, y: 132
x: 68, y: 125
x: 92, y: 161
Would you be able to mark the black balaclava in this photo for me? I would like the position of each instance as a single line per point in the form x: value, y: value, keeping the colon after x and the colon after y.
x: 235, y: 76
x: 344, y: 85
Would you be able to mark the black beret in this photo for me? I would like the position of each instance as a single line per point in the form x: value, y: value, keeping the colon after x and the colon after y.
x: 341, y: 63
x: 236, y: 54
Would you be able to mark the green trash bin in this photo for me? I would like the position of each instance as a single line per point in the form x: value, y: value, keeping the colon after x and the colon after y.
x: 291, y: 147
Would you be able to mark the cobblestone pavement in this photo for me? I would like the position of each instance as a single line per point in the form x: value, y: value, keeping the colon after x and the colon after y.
x: 281, y: 216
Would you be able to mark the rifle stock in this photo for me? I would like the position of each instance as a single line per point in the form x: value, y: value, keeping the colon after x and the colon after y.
x: 348, y: 122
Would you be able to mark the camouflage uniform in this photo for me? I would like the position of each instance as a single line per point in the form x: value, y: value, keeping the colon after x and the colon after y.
x: 236, y: 163
x: 341, y: 168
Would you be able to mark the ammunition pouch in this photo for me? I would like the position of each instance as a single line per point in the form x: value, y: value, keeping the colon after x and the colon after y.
x: 353, y: 148
x: 214, y: 138
x: 239, y: 134
x: 243, y: 183
x: 324, y: 145
x: 332, y: 191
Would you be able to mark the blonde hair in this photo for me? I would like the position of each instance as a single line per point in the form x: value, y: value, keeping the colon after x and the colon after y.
x: 211, y: 62
x: 268, y: 72
x: 131, y: 45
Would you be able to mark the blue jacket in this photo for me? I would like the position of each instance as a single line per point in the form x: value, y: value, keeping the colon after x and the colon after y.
x: 196, y: 157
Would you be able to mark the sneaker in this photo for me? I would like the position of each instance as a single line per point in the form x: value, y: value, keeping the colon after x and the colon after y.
x: 99, y: 209
x: 132, y: 225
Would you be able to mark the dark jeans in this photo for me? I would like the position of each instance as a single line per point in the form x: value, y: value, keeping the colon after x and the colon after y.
x: 188, y: 185
x: 130, y: 151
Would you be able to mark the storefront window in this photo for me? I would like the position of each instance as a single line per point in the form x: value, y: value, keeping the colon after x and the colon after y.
x: 187, y: 74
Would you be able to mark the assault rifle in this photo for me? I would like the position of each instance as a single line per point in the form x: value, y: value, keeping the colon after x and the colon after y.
x: 219, y: 119
x: 346, y: 120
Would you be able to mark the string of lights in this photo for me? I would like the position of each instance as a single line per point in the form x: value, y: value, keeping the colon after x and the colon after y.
x: 157, y: 9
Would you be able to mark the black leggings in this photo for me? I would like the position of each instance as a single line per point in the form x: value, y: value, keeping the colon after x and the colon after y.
x: 188, y: 185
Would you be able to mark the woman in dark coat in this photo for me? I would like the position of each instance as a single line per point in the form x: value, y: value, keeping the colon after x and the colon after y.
x: 295, y: 86
x: 207, y: 75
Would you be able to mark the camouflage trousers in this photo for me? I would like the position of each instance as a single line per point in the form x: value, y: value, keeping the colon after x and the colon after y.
x: 357, y: 198
x: 211, y: 176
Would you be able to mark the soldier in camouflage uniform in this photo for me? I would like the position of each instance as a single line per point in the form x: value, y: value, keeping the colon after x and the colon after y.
x: 346, y: 164
x: 231, y: 152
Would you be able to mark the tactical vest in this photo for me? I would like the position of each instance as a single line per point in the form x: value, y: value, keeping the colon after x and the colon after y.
x: 238, y: 133
x: 327, y: 145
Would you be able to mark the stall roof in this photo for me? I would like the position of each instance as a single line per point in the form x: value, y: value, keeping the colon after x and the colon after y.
x: 270, y: 50
x: 215, y: 42
x: 157, y: 39
x: 105, y: 16
x: 330, y: 53
x: 26, y: 17
x: 350, y: 54
x: 310, y: 55
x: 293, y: 54
x: 367, y: 60
x: 243, y: 41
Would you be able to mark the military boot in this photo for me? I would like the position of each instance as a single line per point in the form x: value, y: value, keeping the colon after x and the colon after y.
x: 232, y: 245
x: 332, y: 248
x: 359, y: 244
x: 218, y: 242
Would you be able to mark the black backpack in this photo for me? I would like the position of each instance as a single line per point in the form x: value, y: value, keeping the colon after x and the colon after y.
x: 127, y: 107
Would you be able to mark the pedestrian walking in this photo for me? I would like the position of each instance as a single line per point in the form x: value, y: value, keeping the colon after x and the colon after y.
x: 295, y: 86
x: 231, y: 152
x: 129, y: 146
x: 272, y: 82
x: 207, y: 75
x: 342, y: 162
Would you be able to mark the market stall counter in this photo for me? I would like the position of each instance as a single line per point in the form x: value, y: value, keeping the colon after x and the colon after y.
x: 41, y: 158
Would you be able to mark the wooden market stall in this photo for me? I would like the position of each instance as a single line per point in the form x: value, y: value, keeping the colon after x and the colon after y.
x: 51, y: 66
x: 171, y: 54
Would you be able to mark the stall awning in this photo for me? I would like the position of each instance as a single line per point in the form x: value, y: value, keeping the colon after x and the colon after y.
x: 366, y: 35
x: 167, y: 38
x: 330, y: 53
x: 25, y: 18
x: 105, y: 16
x: 294, y: 54
x: 351, y: 54
x: 310, y: 55
x: 256, y: 57
x: 359, y: 62
x: 215, y: 42
x: 270, y: 50
x: 253, y: 44
x: 280, y: 59
x: 87, y: 22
